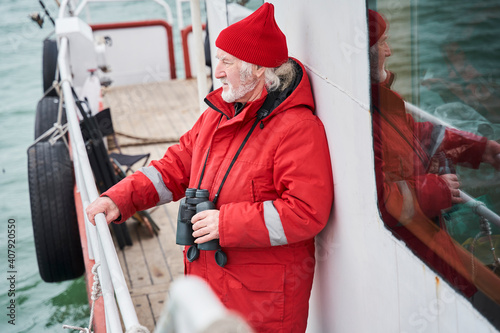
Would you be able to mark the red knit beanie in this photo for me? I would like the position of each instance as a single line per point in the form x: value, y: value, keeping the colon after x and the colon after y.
x: 376, y: 26
x: 256, y: 39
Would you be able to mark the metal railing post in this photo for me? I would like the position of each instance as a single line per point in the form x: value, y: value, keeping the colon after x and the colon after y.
x: 104, y: 250
x: 199, y: 51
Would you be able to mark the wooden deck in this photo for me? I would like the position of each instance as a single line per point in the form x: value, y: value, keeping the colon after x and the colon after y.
x: 149, y: 118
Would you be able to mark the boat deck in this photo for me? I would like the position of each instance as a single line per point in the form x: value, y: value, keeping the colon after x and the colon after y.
x: 148, y: 118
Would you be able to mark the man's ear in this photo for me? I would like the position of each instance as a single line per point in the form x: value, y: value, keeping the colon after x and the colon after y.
x: 259, y: 71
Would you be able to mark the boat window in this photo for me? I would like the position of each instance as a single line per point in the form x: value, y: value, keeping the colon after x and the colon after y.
x: 435, y: 85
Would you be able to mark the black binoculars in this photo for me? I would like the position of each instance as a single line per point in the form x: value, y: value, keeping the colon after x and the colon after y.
x: 196, y: 201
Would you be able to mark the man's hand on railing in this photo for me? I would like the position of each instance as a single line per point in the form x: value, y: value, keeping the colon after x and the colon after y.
x: 491, y: 154
x: 103, y: 205
x: 453, y: 184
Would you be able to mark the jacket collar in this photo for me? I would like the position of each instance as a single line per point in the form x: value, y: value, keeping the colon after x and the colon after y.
x: 298, y: 94
x: 215, y: 101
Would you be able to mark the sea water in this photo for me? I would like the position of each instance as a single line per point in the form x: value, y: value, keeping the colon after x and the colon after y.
x: 27, y: 304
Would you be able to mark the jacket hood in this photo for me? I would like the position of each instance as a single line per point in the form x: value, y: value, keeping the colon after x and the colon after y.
x: 297, y: 94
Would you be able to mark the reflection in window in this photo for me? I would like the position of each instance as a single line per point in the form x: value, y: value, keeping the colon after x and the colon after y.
x: 436, y: 130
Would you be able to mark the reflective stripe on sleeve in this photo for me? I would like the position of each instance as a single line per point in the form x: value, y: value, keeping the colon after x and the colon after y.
x: 274, y: 225
x: 155, y: 177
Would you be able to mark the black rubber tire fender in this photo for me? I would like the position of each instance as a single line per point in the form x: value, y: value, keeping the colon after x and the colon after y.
x: 55, y: 227
x: 46, y: 115
x: 49, y: 65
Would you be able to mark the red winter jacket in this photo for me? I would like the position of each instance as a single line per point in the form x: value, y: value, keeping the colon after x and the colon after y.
x: 276, y: 198
x: 408, y: 185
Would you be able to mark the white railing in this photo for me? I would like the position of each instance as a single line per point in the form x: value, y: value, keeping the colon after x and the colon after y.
x: 100, y: 243
x: 199, y: 54
x: 193, y: 307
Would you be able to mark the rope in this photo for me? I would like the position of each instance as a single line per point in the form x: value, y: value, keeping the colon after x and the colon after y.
x: 57, y: 131
x: 146, y: 143
x: 485, y: 229
x: 82, y: 330
x: 55, y: 85
x: 472, y: 249
x: 144, y: 140
x: 96, y: 293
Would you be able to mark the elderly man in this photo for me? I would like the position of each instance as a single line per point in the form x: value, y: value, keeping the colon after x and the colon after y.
x: 414, y: 184
x: 278, y: 194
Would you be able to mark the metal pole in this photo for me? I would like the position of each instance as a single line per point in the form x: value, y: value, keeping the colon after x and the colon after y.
x: 199, y: 53
x: 480, y: 208
x: 418, y: 112
x: 62, y: 9
x: 180, y: 18
x: 79, y: 157
x: 127, y: 309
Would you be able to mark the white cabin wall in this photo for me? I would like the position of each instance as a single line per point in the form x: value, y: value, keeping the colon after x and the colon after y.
x: 356, y: 260
x: 366, y: 280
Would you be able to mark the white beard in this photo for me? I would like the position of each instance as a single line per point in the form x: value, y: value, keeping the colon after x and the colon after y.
x: 231, y: 95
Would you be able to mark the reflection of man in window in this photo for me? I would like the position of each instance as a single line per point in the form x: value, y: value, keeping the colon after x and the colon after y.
x: 414, y: 160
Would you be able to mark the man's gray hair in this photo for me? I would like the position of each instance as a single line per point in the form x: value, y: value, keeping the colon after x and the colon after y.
x: 277, y: 78
x: 280, y: 78
x: 374, y: 74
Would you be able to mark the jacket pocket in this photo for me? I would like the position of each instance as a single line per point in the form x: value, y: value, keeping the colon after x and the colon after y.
x: 262, y: 189
x: 257, y: 292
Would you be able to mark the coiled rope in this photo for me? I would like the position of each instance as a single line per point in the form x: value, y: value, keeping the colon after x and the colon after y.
x: 96, y: 293
x: 485, y: 230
